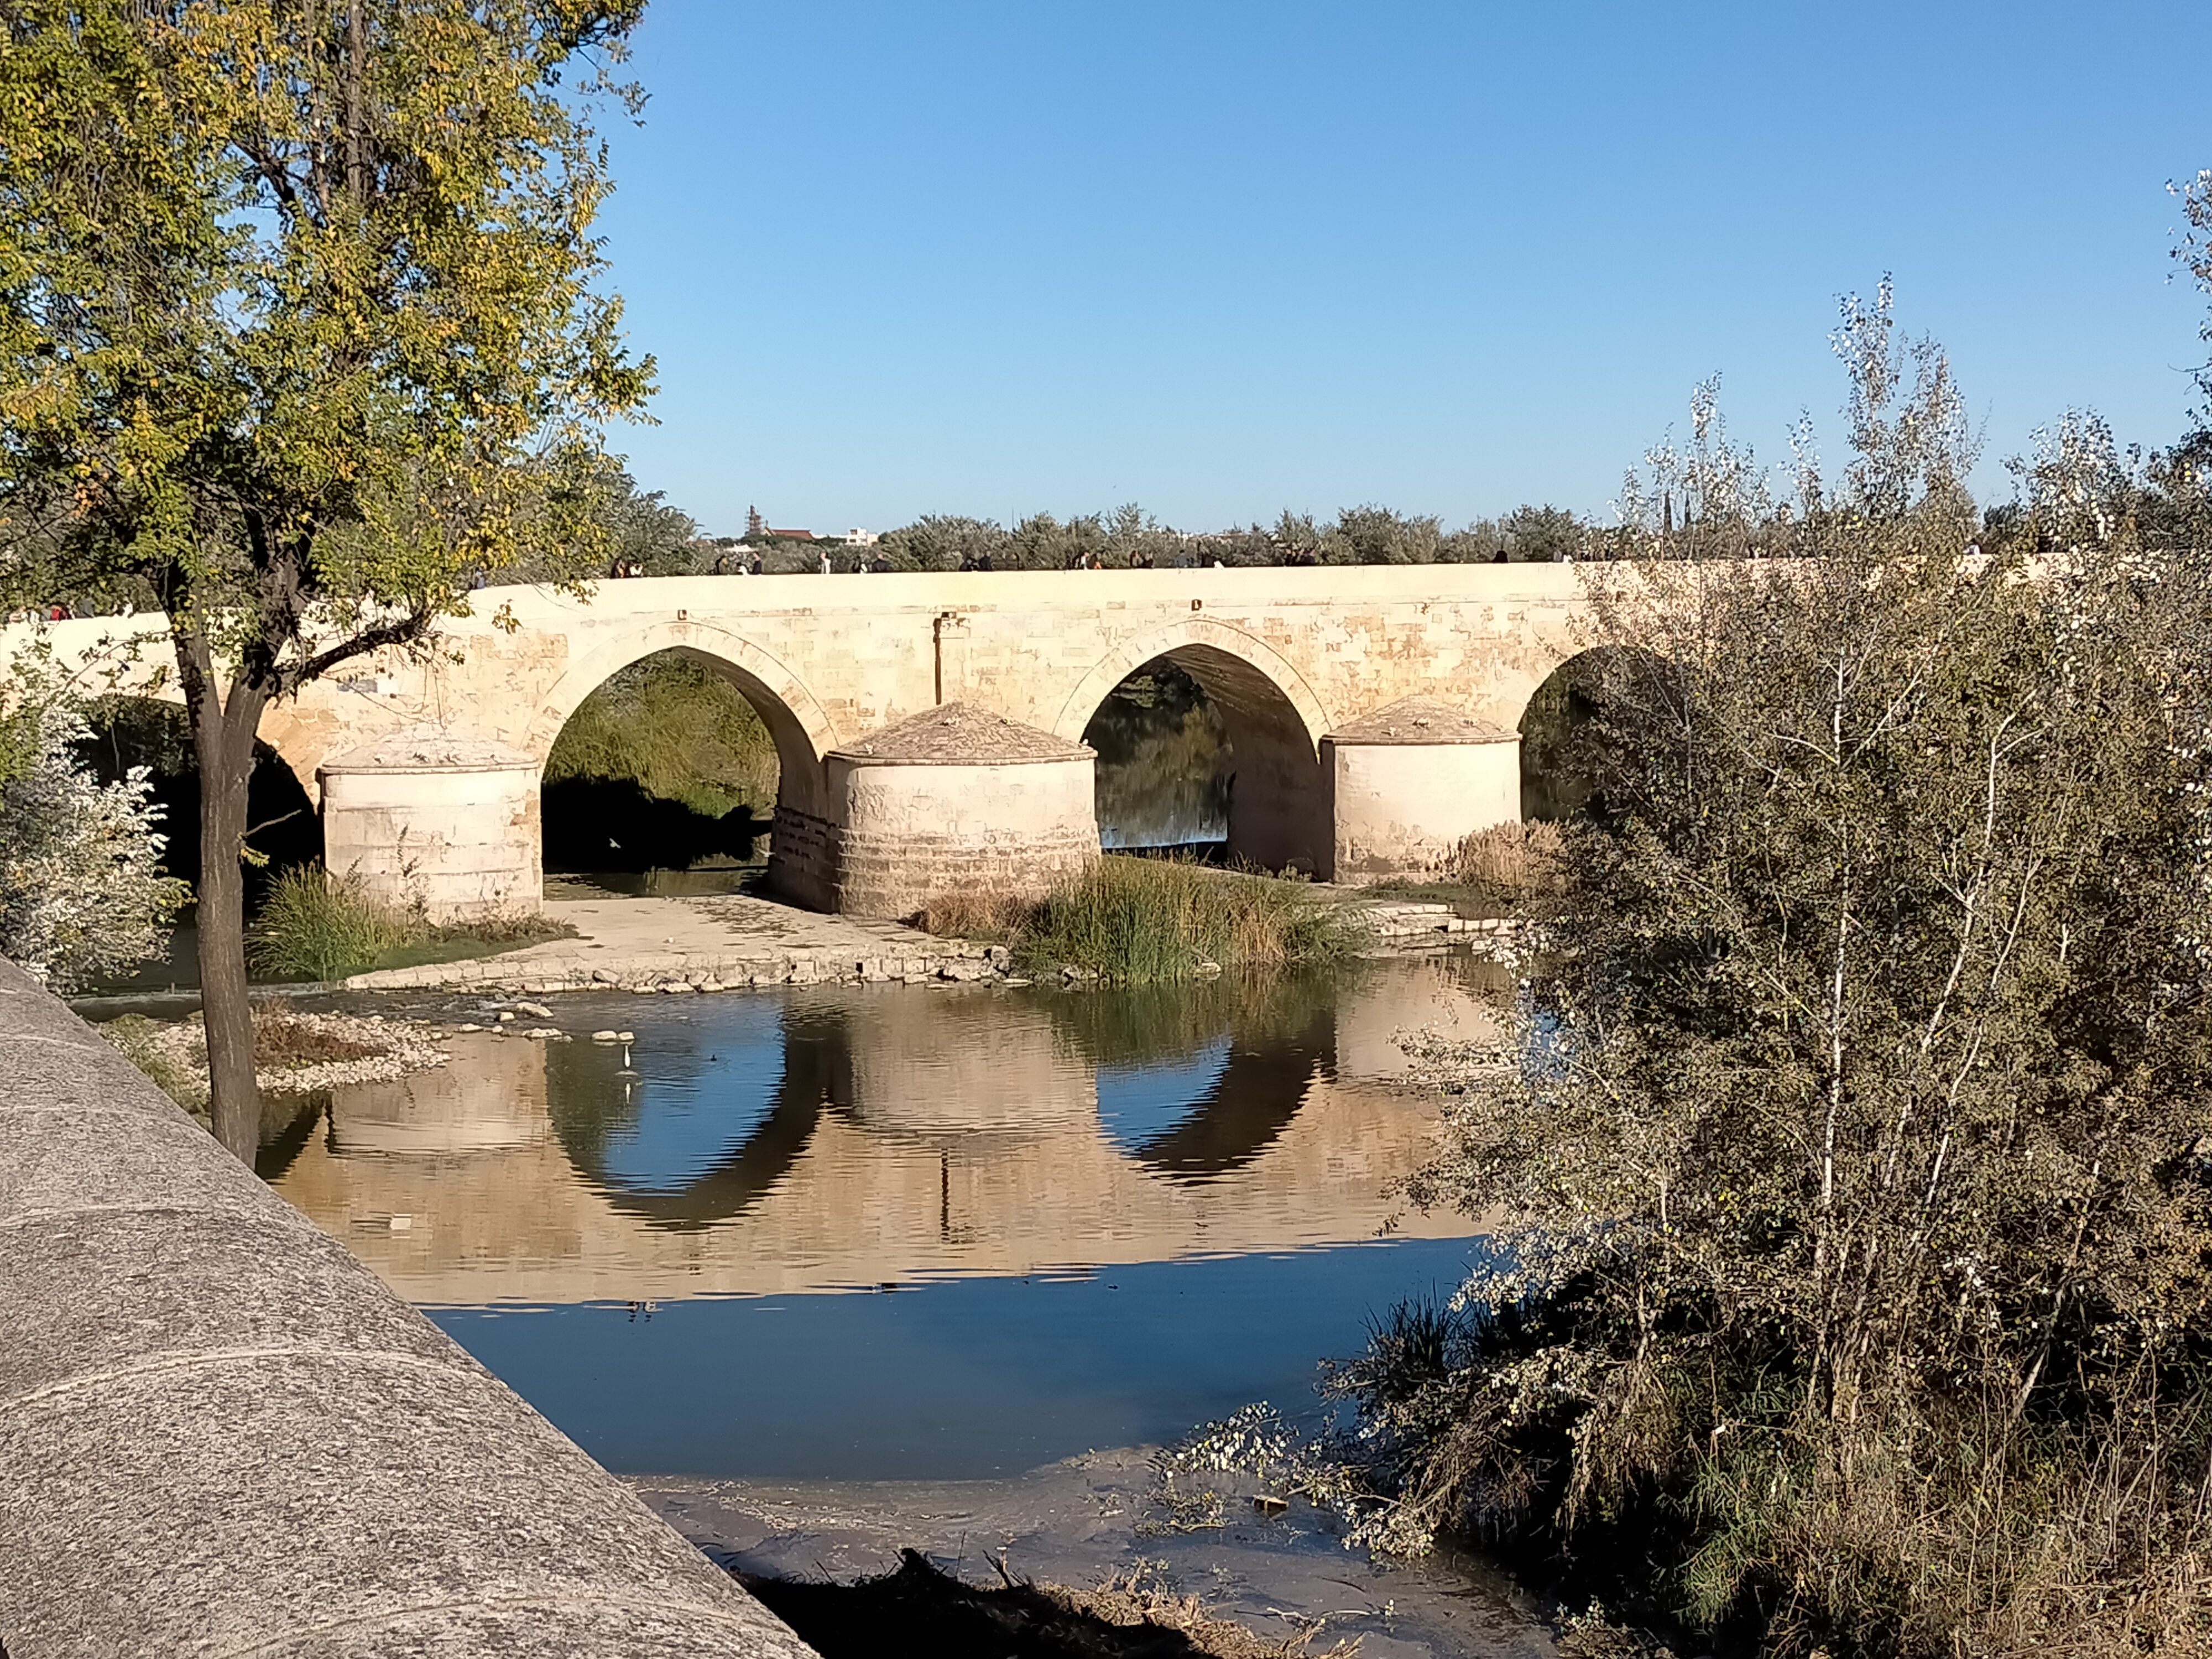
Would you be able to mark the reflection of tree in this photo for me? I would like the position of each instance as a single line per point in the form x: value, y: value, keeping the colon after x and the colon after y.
x: 1163, y: 761
x: 1153, y: 1024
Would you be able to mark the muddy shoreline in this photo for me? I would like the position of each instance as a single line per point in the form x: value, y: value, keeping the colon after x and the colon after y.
x: 1084, y: 1521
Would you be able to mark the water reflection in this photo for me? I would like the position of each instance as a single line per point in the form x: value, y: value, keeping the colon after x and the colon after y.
x: 853, y: 1137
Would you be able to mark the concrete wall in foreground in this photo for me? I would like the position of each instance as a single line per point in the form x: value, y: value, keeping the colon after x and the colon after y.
x: 219, y: 1434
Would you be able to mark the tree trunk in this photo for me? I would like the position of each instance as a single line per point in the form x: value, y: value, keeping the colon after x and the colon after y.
x: 222, y: 737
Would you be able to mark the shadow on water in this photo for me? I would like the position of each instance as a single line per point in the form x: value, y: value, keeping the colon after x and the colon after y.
x: 288, y: 1122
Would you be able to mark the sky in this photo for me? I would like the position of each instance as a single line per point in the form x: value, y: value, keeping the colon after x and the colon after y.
x: 1223, y: 259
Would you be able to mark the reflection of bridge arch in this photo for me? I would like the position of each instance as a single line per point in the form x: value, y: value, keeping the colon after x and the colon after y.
x: 1278, y: 812
x: 800, y: 727
x: 1246, y: 1108
x: 816, y: 1072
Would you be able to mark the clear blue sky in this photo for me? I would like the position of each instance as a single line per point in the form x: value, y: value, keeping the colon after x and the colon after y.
x: 1224, y: 259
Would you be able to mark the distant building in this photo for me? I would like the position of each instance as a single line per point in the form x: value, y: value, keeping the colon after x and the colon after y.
x: 789, y: 535
x: 857, y: 538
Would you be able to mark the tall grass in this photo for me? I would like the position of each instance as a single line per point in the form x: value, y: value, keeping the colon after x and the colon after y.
x: 1509, y: 864
x: 321, y: 928
x: 314, y: 926
x: 1145, y: 921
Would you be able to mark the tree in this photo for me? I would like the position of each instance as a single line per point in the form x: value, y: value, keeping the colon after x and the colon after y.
x: 661, y: 539
x: 299, y: 333
x: 81, y: 894
x: 1540, y: 534
x: 1376, y: 535
x: 1851, y: 1286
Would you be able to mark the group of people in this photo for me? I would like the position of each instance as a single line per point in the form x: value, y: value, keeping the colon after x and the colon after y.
x: 62, y: 611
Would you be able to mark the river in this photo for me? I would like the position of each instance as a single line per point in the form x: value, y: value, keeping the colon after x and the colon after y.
x: 889, y: 1234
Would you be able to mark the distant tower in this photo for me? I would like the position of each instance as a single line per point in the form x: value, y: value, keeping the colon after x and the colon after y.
x: 754, y: 524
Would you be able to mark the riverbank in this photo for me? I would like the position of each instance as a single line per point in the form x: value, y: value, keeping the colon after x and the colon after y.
x: 1088, y: 1522
x: 730, y: 941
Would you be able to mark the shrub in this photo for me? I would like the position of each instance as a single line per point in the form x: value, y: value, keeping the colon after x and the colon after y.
x: 1139, y: 920
x: 320, y: 927
x: 1143, y: 920
x: 82, y: 895
x: 315, y: 926
x: 1509, y: 864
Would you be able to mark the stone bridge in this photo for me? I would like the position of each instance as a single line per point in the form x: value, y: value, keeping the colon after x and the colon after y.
x: 929, y: 727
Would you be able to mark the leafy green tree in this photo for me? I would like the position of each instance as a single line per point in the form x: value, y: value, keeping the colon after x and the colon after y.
x: 945, y: 542
x: 301, y: 330
x: 1535, y: 535
x: 645, y: 529
x: 1376, y: 535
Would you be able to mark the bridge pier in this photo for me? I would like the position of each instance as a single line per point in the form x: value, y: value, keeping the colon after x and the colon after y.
x: 957, y: 800
x: 423, y: 816
x: 1407, y: 782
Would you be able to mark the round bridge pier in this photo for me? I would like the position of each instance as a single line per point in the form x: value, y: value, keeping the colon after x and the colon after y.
x: 426, y: 816
x: 1409, y: 781
x: 955, y: 800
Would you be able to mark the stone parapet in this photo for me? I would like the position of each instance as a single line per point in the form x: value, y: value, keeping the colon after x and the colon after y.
x: 220, y: 1435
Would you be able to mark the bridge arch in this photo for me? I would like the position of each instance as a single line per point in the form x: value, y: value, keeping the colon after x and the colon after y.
x: 1274, y: 718
x: 1555, y: 784
x: 801, y: 728
x: 1245, y: 667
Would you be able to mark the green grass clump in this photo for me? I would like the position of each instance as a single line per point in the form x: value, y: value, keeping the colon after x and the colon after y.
x: 313, y: 927
x: 1140, y: 921
x: 317, y: 928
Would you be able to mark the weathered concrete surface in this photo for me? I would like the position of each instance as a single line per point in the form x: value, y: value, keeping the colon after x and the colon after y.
x: 450, y: 822
x: 955, y: 799
x: 221, y: 1436
x: 1410, y: 780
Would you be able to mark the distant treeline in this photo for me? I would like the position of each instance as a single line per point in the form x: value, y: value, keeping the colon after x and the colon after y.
x: 661, y: 540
